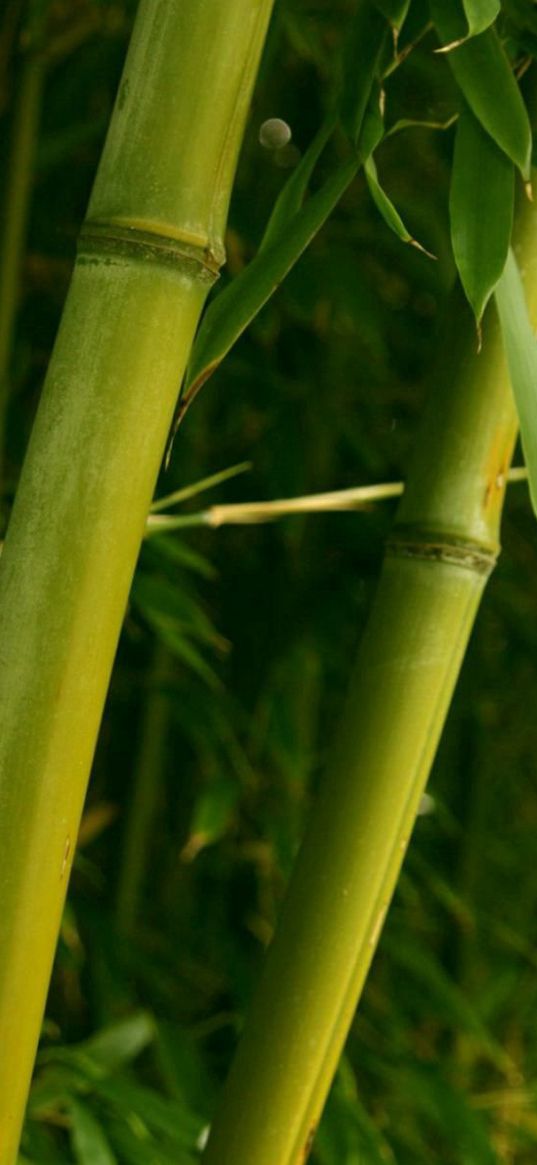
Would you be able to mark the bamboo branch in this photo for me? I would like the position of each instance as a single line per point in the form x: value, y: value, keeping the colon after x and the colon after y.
x: 252, y: 513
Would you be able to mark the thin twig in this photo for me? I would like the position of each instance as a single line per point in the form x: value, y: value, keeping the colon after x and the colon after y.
x: 250, y: 513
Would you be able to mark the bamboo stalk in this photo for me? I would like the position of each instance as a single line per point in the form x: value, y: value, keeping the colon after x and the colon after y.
x: 443, y: 547
x: 150, y: 249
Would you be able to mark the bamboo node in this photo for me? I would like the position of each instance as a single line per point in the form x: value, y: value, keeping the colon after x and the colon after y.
x: 114, y: 240
x: 457, y: 552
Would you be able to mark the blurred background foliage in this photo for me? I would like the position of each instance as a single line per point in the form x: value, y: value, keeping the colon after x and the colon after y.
x: 237, y: 647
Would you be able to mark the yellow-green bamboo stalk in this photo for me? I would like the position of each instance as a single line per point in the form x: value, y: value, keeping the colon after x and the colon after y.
x: 443, y: 547
x: 150, y: 249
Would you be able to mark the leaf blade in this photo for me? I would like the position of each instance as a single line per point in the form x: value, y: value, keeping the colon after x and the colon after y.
x: 235, y: 307
x: 481, y: 211
x: 483, y: 74
x: 386, y: 208
x: 520, y: 347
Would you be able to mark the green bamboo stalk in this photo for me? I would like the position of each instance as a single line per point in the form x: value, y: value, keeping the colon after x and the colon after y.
x: 443, y: 547
x: 15, y: 205
x: 149, y: 252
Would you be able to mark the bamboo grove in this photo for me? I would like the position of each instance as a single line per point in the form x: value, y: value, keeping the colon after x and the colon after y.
x: 136, y: 334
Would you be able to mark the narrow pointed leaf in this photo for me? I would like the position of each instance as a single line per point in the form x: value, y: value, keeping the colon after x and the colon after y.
x: 367, y: 39
x: 235, y: 308
x: 521, y: 353
x: 395, y: 11
x: 292, y: 196
x: 386, y: 208
x: 372, y: 131
x: 486, y: 81
x: 481, y: 210
x: 90, y: 1144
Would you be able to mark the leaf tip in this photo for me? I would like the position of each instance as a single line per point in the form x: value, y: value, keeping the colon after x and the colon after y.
x: 424, y: 251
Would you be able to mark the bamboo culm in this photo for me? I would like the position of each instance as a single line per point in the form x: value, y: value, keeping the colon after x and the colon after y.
x: 442, y: 550
x: 150, y: 250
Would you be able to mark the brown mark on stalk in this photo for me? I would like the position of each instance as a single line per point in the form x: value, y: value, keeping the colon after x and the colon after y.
x: 496, y: 482
x: 308, y: 1145
x: 66, y: 852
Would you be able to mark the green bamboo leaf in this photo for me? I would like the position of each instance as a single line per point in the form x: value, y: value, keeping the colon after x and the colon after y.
x: 89, y: 1141
x: 481, y: 210
x: 480, y: 14
x: 386, y: 208
x: 395, y: 11
x: 372, y: 131
x: 366, y: 42
x: 198, y: 487
x: 236, y: 306
x: 459, y: 21
x: 212, y: 816
x: 292, y: 196
x: 120, y: 1042
x: 483, y: 73
x: 168, y: 1118
x: 521, y: 353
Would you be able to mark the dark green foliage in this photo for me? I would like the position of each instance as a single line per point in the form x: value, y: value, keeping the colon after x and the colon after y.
x: 259, y: 625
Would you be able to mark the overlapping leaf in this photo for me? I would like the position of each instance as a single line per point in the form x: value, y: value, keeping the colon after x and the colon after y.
x: 484, y: 76
x: 481, y: 210
x: 480, y: 14
x: 521, y: 353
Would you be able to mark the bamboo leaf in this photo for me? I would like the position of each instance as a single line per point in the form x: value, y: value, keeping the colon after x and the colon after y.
x: 235, y: 308
x: 395, y: 11
x: 372, y: 131
x: 191, y: 491
x: 366, y: 42
x: 169, y: 1118
x: 386, y: 208
x: 89, y: 1141
x: 481, y: 210
x: 483, y: 73
x: 120, y: 1043
x: 521, y: 353
x: 212, y: 815
x: 480, y: 14
x: 292, y: 196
